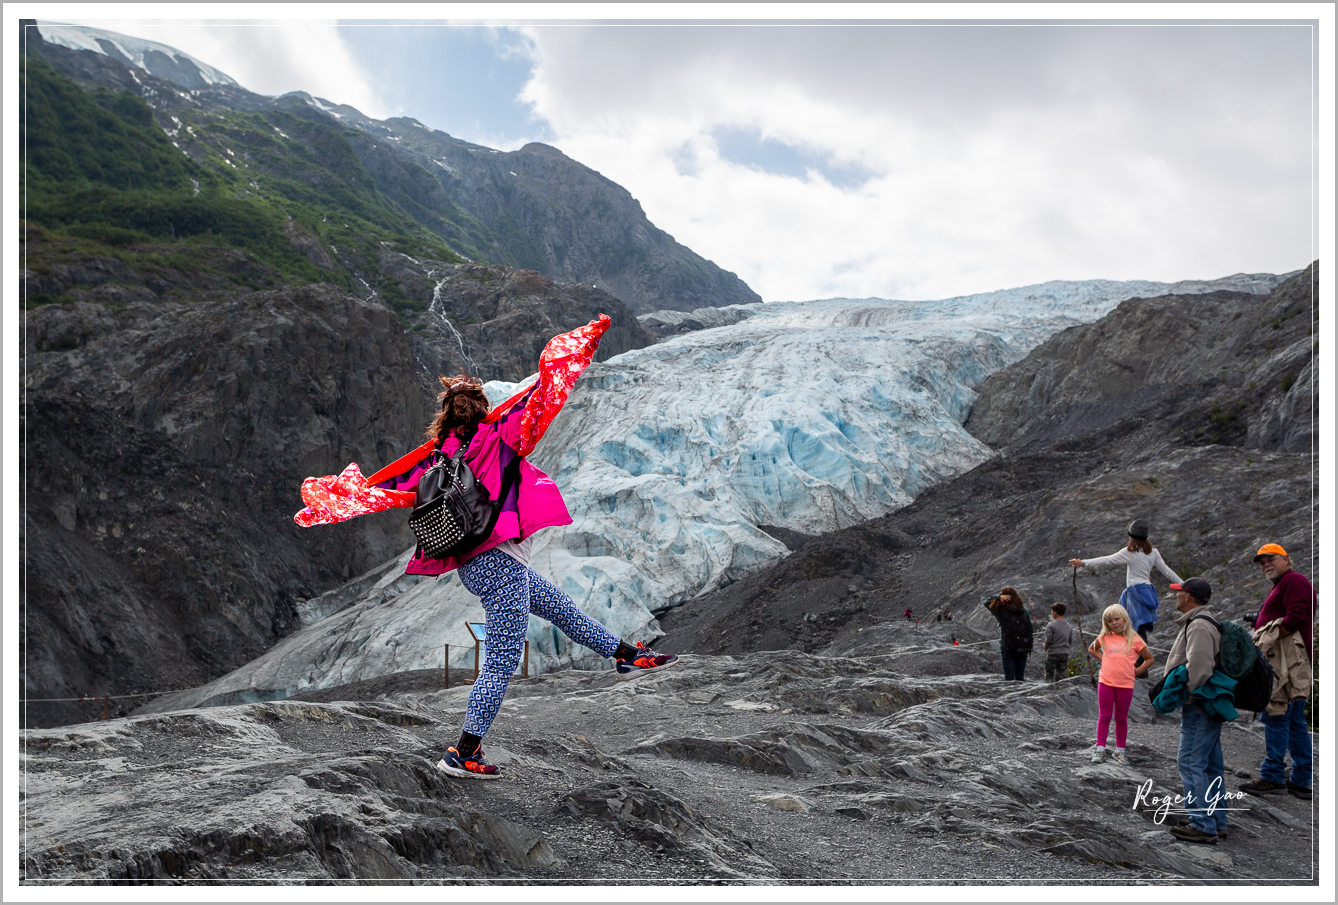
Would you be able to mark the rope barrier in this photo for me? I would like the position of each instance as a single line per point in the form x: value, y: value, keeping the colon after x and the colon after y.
x: 108, y: 697
x: 154, y: 694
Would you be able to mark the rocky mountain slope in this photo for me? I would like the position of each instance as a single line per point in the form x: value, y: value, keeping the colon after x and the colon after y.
x: 549, y: 213
x: 782, y: 768
x: 344, y: 179
x: 1194, y: 412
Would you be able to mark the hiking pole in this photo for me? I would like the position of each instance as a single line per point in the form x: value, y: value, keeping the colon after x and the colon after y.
x: 1081, y: 637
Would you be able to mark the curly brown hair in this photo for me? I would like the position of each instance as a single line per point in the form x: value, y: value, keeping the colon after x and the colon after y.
x: 462, y: 404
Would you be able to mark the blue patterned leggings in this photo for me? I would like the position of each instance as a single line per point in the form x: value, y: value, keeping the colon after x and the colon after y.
x: 510, y: 592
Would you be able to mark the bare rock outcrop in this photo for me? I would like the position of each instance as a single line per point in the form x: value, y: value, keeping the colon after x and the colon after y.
x: 492, y: 321
x: 164, y: 445
x: 1224, y: 367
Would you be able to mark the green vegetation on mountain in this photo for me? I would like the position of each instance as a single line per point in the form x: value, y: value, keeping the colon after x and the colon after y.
x: 105, y: 184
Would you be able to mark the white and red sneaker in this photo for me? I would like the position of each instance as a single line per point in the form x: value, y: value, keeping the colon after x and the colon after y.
x: 472, y: 767
x: 646, y: 660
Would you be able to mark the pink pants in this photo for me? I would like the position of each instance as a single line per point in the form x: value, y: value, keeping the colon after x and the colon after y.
x: 1112, y: 702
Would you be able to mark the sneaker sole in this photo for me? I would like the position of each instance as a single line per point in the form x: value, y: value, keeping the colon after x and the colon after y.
x: 624, y: 676
x: 465, y: 774
x: 1282, y: 791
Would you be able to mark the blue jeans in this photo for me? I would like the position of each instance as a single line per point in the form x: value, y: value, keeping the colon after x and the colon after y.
x: 1201, y: 767
x: 1014, y: 664
x: 1284, y: 733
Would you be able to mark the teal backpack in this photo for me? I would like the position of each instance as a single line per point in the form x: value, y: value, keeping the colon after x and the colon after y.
x: 1242, y: 661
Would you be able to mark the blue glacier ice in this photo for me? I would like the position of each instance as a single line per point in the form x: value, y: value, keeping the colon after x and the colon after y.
x: 808, y: 415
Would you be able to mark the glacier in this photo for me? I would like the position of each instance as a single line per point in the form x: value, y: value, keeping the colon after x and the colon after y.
x: 810, y: 416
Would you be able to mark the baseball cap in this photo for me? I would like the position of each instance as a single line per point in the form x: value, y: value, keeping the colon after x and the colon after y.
x: 1269, y: 550
x: 1198, y: 587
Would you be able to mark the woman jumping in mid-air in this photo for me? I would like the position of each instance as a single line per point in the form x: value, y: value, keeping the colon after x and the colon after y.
x: 497, y: 571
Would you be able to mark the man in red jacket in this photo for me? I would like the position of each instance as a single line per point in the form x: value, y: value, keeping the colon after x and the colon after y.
x: 1293, y: 601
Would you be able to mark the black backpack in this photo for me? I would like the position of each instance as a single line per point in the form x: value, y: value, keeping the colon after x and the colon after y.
x: 1017, y: 633
x: 452, y: 511
x: 1238, y: 658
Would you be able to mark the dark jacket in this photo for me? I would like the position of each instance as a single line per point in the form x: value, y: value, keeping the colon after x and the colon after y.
x: 1293, y: 601
x: 1003, y: 615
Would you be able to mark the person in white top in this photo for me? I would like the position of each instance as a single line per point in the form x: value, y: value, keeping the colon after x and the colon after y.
x: 1139, y: 559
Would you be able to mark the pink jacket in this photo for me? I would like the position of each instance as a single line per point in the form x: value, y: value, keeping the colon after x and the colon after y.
x: 533, y: 503
x: 511, y: 429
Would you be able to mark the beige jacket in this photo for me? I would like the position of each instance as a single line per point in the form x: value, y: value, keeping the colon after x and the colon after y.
x: 1195, y: 647
x: 1292, y: 674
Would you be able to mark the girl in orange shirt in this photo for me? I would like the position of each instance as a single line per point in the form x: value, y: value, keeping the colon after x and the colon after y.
x: 1118, y: 648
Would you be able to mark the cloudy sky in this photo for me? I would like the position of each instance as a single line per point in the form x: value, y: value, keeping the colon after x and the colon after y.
x: 902, y: 160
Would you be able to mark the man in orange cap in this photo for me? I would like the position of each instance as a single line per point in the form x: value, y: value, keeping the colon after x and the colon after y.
x: 1293, y: 601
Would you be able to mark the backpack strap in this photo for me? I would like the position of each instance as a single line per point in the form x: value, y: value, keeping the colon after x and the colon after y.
x: 510, y: 474
x: 1217, y: 663
x: 1217, y: 625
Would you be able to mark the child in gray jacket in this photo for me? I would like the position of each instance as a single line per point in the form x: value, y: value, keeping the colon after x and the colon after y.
x: 1058, y: 644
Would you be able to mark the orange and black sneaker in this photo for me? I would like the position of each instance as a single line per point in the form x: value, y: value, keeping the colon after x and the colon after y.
x: 472, y: 767
x: 646, y: 660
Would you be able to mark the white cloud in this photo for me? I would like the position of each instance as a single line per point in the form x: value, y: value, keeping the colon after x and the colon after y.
x: 1001, y: 156
x: 270, y: 58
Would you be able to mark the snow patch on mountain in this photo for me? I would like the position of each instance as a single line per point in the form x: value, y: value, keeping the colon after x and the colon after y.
x: 810, y: 416
x: 156, y: 59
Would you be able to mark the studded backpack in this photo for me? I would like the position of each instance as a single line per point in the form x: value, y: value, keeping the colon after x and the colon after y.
x: 452, y: 511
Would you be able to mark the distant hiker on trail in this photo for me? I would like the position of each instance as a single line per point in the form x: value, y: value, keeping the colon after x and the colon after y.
x: 907, y: 614
x: 494, y: 446
x: 1058, y: 644
x: 1200, y: 756
x: 1118, y: 648
x: 1139, y: 558
x: 1015, y: 631
x: 1291, y: 604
